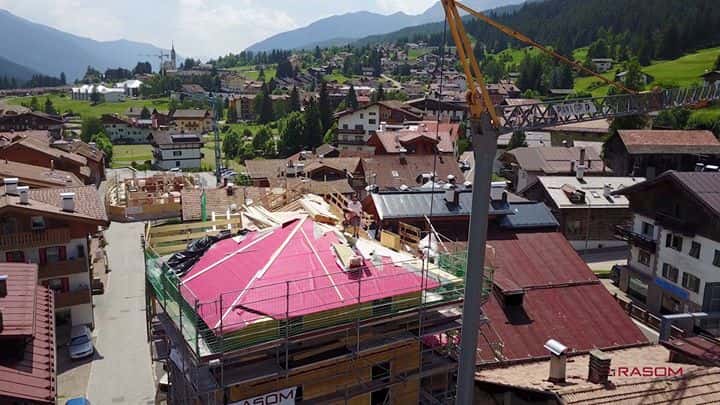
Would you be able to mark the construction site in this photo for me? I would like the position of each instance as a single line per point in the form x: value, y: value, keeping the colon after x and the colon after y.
x: 146, y: 198
x: 294, y: 308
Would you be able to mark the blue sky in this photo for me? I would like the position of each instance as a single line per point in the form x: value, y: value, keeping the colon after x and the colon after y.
x: 199, y: 28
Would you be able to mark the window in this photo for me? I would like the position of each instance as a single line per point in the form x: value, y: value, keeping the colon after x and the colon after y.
x: 716, y: 259
x: 695, y: 250
x: 644, y: 257
x: 372, y: 113
x: 177, y: 163
x: 345, y: 126
x: 362, y: 115
x: 395, y: 173
x: 177, y: 153
x: 674, y: 242
x: 359, y: 127
x: 648, y: 229
x: 573, y: 227
x: 58, y: 285
x: 9, y: 225
x: 691, y: 282
x: 670, y: 272
x: 372, y: 121
x: 37, y: 223
x: 52, y: 254
x: 80, y: 251
x: 17, y: 256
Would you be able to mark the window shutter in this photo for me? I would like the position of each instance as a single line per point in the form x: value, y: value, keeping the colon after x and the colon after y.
x: 65, y: 284
x: 668, y: 240
x: 43, y: 255
x: 62, y: 253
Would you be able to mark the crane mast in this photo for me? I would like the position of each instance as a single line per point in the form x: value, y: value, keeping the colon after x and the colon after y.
x: 487, y: 122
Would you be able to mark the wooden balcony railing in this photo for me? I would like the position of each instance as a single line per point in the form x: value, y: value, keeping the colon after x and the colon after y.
x: 627, y: 234
x: 63, y: 268
x: 71, y: 298
x: 22, y: 240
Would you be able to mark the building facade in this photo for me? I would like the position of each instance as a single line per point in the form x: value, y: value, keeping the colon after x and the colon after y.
x: 192, y: 121
x: 674, y: 263
x: 181, y: 151
x: 356, y: 127
x: 52, y: 228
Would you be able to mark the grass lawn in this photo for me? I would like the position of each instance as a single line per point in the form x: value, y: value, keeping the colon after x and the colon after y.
x: 337, y: 76
x: 414, y: 54
x: 124, y: 155
x: 684, y: 72
x: 251, y: 74
x: 64, y: 103
x: 593, y: 85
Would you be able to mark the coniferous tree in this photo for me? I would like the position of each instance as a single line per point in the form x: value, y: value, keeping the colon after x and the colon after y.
x: 63, y: 79
x: 295, y: 100
x: 351, y: 100
x: 49, y: 108
x: 145, y: 113
x: 34, y: 105
x: 313, y: 134
x: 326, y: 113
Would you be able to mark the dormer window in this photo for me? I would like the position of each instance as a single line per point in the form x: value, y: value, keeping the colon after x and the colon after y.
x: 37, y: 223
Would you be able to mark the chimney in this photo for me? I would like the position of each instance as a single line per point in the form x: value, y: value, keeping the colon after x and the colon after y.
x: 11, y: 184
x: 68, y: 201
x: 558, y: 360
x: 580, y: 171
x: 599, y: 367
x: 24, y: 193
x: 52, y: 165
x: 3, y: 285
x: 230, y: 189
x: 582, y: 156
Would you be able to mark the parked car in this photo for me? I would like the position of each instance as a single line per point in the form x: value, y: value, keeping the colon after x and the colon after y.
x: 81, y: 344
x: 78, y: 401
x: 175, y: 170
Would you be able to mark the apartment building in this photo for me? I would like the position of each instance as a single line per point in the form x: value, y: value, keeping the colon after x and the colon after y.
x: 196, y: 121
x: 355, y: 127
x: 674, y: 263
x: 52, y: 228
x: 182, y: 151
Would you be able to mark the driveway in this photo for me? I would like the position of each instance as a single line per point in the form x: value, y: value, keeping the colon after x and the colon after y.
x: 122, y: 374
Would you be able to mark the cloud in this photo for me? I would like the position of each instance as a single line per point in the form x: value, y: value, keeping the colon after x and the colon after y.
x: 406, y: 6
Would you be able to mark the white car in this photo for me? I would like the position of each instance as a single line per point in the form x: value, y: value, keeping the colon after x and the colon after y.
x: 81, y: 344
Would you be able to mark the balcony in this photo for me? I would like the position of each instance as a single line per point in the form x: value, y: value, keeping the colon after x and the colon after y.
x: 342, y: 141
x: 676, y: 224
x: 71, y: 298
x: 351, y: 131
x: 643, y: 241
x: 43, y: 237
x: 63, y: 268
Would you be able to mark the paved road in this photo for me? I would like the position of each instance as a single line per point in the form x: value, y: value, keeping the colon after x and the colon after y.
x: 121, y: 374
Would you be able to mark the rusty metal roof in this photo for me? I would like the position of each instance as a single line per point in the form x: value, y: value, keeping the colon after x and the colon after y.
x: 563, y: 300
x: 639, y: 141
x: 27, y: 362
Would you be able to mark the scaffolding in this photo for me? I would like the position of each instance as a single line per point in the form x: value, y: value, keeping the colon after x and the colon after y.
x: 147, y: 198
x: 207, y: 363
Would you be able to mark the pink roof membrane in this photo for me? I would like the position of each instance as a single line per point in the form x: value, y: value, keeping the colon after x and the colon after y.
x: 287, y: 272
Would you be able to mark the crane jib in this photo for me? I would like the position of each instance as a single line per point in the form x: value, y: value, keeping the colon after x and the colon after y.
x: 560, y: 112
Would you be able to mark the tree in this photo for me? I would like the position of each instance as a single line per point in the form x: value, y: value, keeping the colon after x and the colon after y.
x: 63, y: 79
x: 517, y: 140
x: 142, y: 68
x: 90, y: 127
x: 351, y: 100
x: 670, y: 45
x: 313, y: 134
x: 285, y: 69
x: 676, y: 118
x: 531, y: 73
x: 262, y: 141
x: 232, y: 116
x: 231, y: 145
x: 318, y: 53
x: 261, y: 74
x: 95, y: 96
x: 145, y: 113
x: 219, y: 108
x: 292, y: 133
x: 49, y: 108
x: 716, y: 66
x: 34, y: 105
x: 325, y: 110
x: 634, y: 76
x: 379, y: 94
x: 103, y: 143
x: 294, y: 100
x: 264, y: 107
x: 330, y: 133
x: 644, y: 53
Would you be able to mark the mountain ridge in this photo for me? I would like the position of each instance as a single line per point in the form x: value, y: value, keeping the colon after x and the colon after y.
x: 56, y: 51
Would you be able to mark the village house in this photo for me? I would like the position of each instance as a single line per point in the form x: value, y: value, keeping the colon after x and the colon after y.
x: 588, y: 131
x: 121, y: 131
x: 345, y: 174
x: 402, y: 171
x: 33, y: 120
x: 432, y: 108
x: 674, y: 262
x: 192, y: 121
x: 522, y: 166
x: 602, y: 65
x: 53, y: 227
x: 420, y: 138
x: 356, y: 127
x: 86, y: 92
x: 39, y: 148
x: 176, y: 150
x: 245, y: 105
x: 649, y: 153
x: 686, y: 369
x: 710, y: 77
x: 28, y: 361
x: 585, y: 207
x: 37, y: 176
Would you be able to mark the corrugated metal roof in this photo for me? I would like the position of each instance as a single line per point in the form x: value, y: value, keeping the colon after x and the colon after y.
x: 31, y: 377
x: 669, y: 142
x: 593, y: 187
x: 416, y: 204
x: 563, y: 300
x: 18, y: 307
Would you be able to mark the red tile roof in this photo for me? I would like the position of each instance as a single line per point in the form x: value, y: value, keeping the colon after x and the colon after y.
x: 667, y: 141
x: 88, y: 204
x: 37, y: 176
x: 562, y: 300
x: 27, y: 368
x: 445, y: 136
x: 392, y: 171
